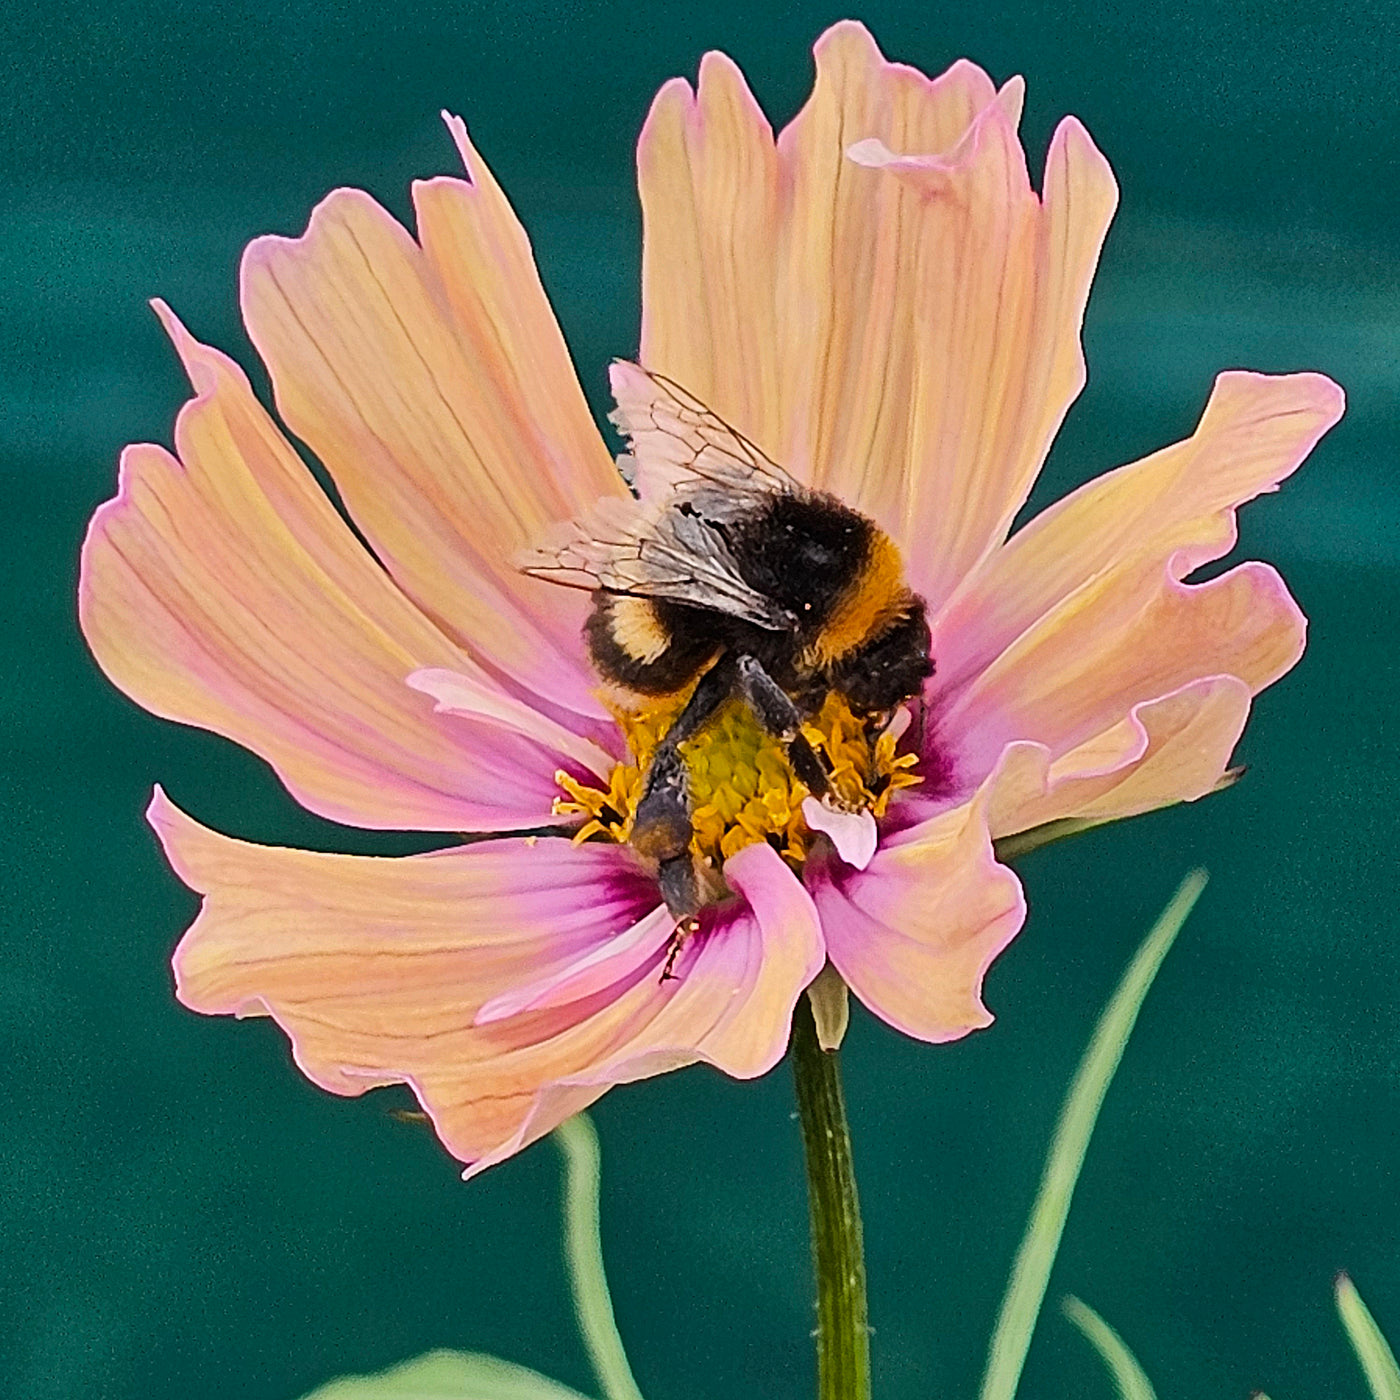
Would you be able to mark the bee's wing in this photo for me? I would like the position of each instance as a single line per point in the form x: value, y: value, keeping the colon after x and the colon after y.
x: 676, y: 441
x: 680, y: 554
x: 694, y: 477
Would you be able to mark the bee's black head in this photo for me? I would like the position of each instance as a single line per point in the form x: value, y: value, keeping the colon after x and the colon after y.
x: 890, y: 668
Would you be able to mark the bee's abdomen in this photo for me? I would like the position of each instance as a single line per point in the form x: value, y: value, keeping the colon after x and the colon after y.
x: 645, y: 644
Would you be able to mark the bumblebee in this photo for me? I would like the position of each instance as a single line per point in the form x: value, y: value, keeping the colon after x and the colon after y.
x: 725, y: 577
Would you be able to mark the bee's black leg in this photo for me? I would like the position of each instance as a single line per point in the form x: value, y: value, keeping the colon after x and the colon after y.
x: 783, y: 720
x: 681, y: 892
x: 715, y: 687
x: 661, y: 829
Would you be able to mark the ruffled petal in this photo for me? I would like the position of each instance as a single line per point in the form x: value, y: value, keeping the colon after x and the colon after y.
x: 1000, y: 280
x: 728, y: 1002
x: 222, y: 589
x: 1128, y: 636
x: 914, y: 933
x: 907, y: 337
x: 1255, y: 432
x: 1169, y: 750
x: 434, y: 384
x: 708, y: 177
x: 378, y: 968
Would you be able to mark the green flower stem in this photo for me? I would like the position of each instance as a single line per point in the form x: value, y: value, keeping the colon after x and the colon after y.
x: 1030, y: 1274
x: 838, y: 1251
x: 577, y: 1139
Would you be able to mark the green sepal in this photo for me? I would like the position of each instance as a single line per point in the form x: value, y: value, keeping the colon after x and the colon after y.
x: 1009, y: 848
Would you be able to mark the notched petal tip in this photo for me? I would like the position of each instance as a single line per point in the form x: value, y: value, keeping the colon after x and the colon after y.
x: 851, y: 66
x: 1011, y: 97
x: 457, y: 129
x: 1074, y: 155
x: 169, y: 321
x: 202, y: 363
x: 675, y: 101
x: 847, y: 33
x: 161, y: 813
x: 716, y: 66
x: 478, y: 174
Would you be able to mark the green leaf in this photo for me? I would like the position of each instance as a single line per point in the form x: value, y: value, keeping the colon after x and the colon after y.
x: 1127, y: 1375
x: 1371, y: 1348
x: 1025, y: 1292
x: 448, y: 1375
x: 577, y: 1140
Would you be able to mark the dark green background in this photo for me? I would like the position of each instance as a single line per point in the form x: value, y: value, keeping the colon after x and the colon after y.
x: 182, y: 1215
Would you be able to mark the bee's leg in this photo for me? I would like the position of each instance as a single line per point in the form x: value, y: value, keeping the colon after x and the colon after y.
x: 661, y: 828
x: 714, y: 688
x: 685, y: 928
x: 661, y: 831
x: 783, y: 720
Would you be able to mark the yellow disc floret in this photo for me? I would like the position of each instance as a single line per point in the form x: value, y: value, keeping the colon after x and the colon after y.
x: 742, y: 787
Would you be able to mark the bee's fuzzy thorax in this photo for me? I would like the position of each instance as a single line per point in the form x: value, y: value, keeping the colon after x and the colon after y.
x: 873, y: 599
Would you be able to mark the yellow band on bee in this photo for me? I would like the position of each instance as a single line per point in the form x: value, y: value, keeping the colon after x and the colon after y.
x: 872, y: 600
x: 637, y: 629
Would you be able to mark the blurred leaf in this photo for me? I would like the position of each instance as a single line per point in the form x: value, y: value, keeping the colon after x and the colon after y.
x: 583, y: 1252
x: 1031, y: 1272
x: 448, y: 1375
x: 1127, y: 1375
x: 1371, y: 1348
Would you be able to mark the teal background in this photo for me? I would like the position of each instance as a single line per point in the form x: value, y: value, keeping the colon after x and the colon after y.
x: 182, y: 1215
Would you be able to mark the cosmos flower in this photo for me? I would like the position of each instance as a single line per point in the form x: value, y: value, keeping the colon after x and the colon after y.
x: 882, y: 302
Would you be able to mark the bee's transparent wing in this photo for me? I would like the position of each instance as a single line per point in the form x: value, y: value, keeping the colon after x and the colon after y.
x: 695, y: 479
x: 678, y: 552
x: 677, y: 442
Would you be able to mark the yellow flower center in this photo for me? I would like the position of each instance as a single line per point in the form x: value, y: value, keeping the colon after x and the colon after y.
x: 742, y: 787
